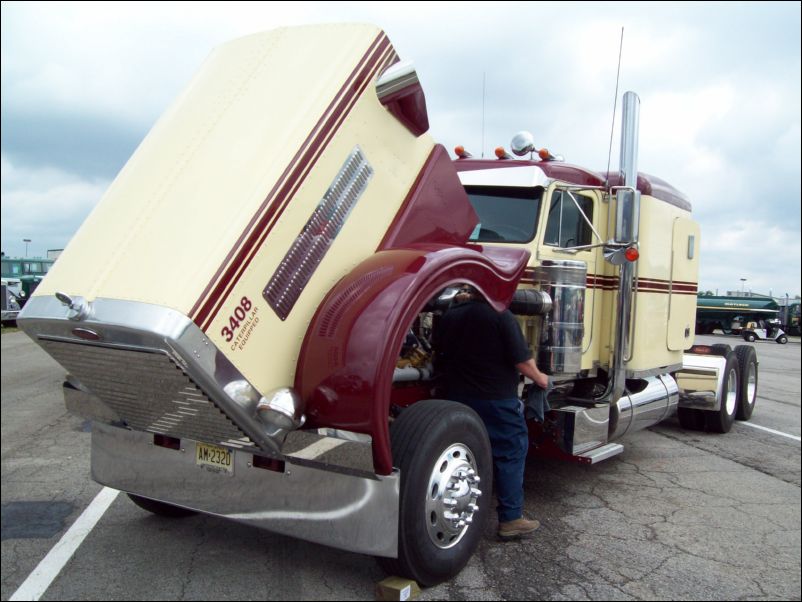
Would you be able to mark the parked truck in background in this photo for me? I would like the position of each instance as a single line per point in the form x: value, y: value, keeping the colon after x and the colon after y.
x: 790, y: 317
x: 317, y: 234
x: 732, y: 314
x: 13, y: 298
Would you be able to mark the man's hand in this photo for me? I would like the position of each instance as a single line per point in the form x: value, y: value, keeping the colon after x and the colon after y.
x: 530, y: 370
x: 541, y: 380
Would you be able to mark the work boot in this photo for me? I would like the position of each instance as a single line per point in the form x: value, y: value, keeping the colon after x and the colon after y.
x: 517, y: 528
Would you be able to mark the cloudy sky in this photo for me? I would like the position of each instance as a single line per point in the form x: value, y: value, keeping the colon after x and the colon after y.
x: 82, y: 83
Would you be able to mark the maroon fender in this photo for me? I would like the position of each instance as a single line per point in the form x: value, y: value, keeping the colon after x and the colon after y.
x: 346, y: 363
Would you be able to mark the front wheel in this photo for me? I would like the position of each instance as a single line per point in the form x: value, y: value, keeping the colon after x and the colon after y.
x: 782, y: 340
x: 443, y: 452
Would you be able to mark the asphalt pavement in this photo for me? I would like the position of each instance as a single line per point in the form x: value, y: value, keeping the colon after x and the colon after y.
x: 678, y: 515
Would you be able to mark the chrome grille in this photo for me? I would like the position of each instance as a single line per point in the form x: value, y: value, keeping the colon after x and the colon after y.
x: 148, y: 390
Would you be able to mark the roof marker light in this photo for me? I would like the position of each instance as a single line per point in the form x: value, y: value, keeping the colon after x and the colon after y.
x: 545, y: 155
x: 501, y: 153
x: 460, y: 151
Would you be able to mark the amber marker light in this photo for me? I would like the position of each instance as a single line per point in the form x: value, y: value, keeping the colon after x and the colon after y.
x: 501, y: 153
x: 460, y: 151
x: 632, y: 254
x: 544, y: 154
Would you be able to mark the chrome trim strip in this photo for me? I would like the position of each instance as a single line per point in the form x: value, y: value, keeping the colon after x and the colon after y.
x: 343, y: 511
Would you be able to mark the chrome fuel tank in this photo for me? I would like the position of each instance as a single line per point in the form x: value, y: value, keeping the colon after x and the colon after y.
x: 560, y: 350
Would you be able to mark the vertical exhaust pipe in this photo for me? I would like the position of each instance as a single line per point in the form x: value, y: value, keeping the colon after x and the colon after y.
x: 626, y: 233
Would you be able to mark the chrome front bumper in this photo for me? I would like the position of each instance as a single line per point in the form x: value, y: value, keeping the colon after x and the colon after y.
x: 345, y: 511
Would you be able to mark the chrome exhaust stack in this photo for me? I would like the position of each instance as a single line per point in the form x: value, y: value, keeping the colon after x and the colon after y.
x: 627, y: 220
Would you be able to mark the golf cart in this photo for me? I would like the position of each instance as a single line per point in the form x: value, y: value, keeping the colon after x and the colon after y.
x: 768, y: 330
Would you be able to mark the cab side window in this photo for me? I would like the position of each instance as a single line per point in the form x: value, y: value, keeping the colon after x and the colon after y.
x: 565, y: 226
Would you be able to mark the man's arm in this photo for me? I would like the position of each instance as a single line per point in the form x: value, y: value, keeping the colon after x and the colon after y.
x: 530, y: 370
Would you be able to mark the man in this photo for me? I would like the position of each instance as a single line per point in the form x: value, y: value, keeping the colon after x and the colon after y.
x: 479, y: 353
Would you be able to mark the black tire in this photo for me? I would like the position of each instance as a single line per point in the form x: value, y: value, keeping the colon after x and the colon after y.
x: 721, y: 349
x: 782, y: 340
x: 721, y: 421
x: 747, y: 383
x: 691, y: 419
x: 749, y: 337
x: 421, y: 437
x: 161, y: 508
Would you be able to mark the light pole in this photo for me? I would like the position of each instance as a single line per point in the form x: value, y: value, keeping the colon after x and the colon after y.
x: 26, y: 241
x: 743, y: 284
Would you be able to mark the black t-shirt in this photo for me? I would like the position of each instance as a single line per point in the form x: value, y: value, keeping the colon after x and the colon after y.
x: 477, y: 349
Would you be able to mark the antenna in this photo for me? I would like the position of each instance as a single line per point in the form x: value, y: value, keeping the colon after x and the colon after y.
x: 484, y: 73
x: 615, y: 106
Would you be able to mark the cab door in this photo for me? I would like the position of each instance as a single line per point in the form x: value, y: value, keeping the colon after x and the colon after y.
x: 570, y: 229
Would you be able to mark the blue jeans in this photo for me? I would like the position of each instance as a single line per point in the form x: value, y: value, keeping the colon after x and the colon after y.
x: 509, y: 439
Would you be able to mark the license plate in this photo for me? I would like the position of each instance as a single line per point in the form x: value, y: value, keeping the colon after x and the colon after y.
x: 214, y: 458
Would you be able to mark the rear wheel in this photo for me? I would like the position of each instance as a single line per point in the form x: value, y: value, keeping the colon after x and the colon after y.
x: 749, y: 336
x: 721, y: 421
x: 160, y: 508
x: 782, y: 340
x: 747, y: 387
x: 443, y: 452
x: 721, y: 349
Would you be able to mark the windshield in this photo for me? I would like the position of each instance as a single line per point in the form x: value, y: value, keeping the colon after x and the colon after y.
x: 506, y: 213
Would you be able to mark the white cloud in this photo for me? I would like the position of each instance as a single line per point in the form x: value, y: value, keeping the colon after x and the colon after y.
x: 45, y: 205
x: 766, y: 254
x: 719, y: 84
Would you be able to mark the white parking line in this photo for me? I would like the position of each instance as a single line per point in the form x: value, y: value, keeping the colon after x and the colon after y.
x: 763, y: 428
x: 43, y: 575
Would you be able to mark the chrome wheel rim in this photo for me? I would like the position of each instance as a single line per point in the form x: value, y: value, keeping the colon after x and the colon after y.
x: 732, y: 391
x: 751, y: 384
x: 452, y: 496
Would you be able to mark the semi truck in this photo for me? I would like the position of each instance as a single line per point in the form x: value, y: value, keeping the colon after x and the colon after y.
x: 732, y: 314
x: 281, y: 373
x: 790, y: 317
x: 13, y: 299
